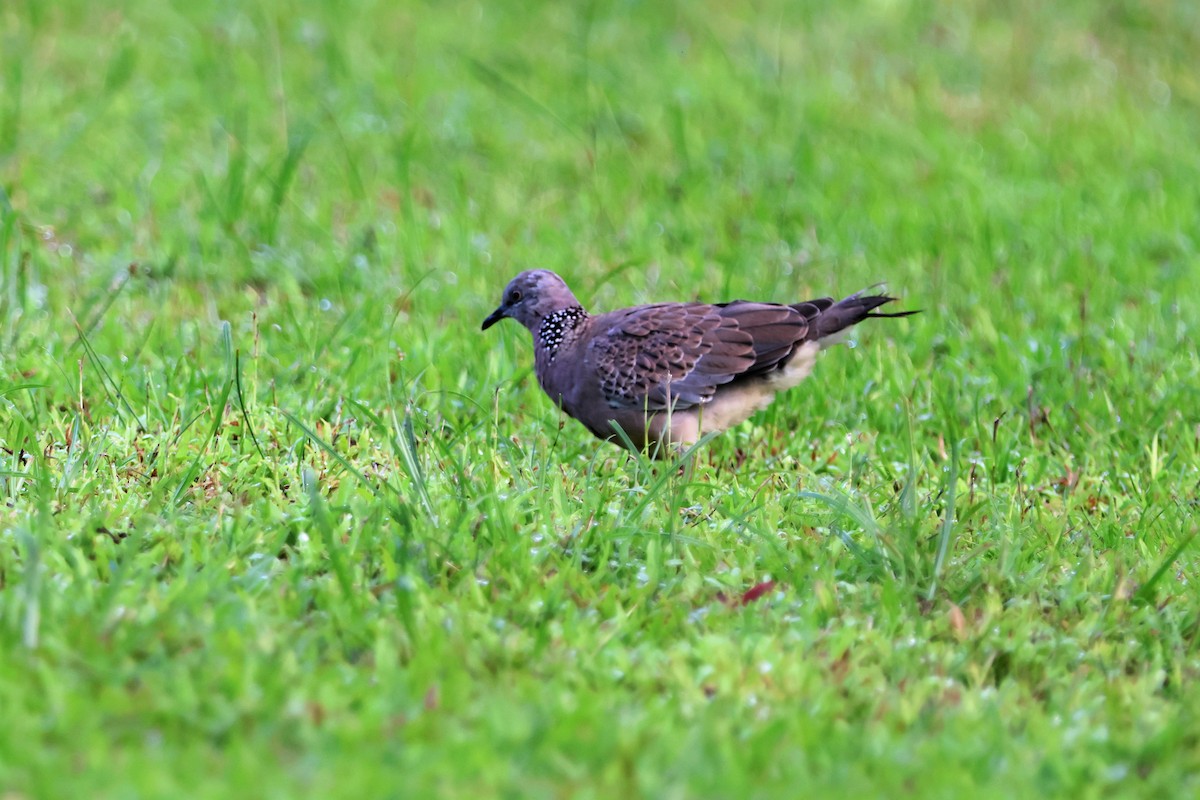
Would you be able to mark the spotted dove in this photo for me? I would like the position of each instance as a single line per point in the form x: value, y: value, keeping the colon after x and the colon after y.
x: 669, y: 372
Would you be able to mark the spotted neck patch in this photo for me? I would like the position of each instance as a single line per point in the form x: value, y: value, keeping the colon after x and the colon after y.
x: 557, y: 327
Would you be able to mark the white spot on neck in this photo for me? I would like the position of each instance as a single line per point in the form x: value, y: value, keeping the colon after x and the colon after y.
x: 557, y: 328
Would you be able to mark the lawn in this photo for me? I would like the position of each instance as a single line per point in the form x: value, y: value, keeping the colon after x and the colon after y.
x: 279, y: 520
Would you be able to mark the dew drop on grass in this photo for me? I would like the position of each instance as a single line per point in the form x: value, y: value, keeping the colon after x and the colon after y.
x: 1160, y: 92
x: 1116, y: 772
x: 310, y: 33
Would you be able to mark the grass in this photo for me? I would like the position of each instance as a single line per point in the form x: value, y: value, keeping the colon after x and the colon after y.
x: 278, y: 519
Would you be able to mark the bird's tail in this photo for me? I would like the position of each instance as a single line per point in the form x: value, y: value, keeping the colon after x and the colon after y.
x: 828, y: 319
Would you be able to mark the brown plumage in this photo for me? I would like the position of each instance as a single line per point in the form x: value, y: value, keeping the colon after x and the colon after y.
x: 669, y: 372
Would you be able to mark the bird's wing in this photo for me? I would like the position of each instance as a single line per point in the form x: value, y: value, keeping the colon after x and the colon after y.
x: 675, y: 355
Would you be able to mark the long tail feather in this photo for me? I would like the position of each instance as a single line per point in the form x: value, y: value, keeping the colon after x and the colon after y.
x: 851, y: 311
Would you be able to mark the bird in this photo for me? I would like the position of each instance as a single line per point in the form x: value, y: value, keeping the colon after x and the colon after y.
x: 658, y: 377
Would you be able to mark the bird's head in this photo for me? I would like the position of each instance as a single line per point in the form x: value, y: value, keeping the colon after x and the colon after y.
x: 531, y: 297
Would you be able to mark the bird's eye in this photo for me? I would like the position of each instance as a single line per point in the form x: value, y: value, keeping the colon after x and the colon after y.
x: 514, y: 296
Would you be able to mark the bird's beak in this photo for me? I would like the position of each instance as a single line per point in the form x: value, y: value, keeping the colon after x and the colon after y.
x: 493, y: 318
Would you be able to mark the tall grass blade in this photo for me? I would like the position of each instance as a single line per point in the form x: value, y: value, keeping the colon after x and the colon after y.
x: 947, y: 533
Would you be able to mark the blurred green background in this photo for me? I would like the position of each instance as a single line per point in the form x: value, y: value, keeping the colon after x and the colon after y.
x: 279, y: 520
